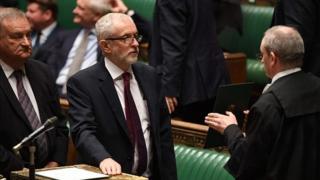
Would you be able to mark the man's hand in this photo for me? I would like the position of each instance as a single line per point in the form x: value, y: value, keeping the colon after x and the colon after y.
x: 220, y: 122
x: 118, y: 6
x: 171, y: 103
x: 109, y: 166
x: 52, y: 164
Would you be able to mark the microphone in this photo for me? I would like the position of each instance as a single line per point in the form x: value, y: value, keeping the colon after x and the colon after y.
x: 48, y: 125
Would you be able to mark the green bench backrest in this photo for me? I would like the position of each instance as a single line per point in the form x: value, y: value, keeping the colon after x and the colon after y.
x: 145, y: 8
x: 200, y: 164
x: 256, y: 19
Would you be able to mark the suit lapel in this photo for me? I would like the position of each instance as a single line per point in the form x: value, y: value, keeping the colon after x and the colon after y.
x: 6, y: 87
x: 147, y: 85
x: 111, y: 95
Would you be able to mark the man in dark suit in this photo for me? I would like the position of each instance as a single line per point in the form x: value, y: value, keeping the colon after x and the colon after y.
x: 304, y: 15
x: 86, y: 14
x: 283, y: 138
x: 186, y: 53
x: 27, y: 97
x: 42, y: 15
x: 111, y: 128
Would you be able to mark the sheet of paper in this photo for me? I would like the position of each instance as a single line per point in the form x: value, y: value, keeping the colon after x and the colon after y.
x: 71, y: 173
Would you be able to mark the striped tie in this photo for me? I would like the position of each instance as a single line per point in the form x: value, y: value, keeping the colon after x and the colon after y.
x: 31, y: 115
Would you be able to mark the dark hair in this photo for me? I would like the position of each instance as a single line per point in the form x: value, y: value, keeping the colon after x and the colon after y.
x: 47, y: 5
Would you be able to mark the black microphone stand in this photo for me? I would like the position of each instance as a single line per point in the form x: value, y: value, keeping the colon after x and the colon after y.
x: 32, y: 167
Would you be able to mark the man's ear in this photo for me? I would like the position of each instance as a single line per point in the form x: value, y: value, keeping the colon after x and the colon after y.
x: 47, y: 14
x: 274, y: 58
x: 105, y: 46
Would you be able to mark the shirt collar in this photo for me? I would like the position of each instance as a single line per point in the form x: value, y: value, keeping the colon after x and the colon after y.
x: 284, y: 73
x: 92, y: 31
x: 114, y: 70
x: 8, y: 70
x: 46, y: 31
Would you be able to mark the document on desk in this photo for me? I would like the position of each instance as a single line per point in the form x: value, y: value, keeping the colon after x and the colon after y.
x: 71, y: 173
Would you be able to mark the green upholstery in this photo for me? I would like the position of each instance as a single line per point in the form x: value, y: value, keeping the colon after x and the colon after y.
x: 256, y: 19
x: 143, y: 7
x: 200, y: 164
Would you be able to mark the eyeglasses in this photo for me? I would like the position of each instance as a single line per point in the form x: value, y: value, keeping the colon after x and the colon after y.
x: 127, y: 39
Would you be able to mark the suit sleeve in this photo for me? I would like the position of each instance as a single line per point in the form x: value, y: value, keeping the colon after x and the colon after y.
x: 250, y: 158
x: 173, y: 33
x: 61, y: 135
x: 82, y: 122
x: 8, y: 162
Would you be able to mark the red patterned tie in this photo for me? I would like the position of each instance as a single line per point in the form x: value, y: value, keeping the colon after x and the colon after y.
x: 134, y: 125
x: 31, y: 115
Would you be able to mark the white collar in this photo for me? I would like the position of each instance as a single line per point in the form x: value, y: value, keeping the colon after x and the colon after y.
x: 8, y: 70
x: 284, y: 73
x: 114, y: 70
x: 47, y: 31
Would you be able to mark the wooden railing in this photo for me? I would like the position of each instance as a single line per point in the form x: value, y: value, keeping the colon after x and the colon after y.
x: 187, y: 133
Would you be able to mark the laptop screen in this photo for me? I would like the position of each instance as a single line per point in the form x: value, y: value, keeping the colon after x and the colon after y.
x: 234, y: 98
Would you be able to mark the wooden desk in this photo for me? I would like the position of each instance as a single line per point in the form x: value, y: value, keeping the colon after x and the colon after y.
x: 236, y: 64
x: 23, y: 174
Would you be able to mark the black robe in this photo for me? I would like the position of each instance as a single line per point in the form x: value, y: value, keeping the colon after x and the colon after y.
x: 283, y: 139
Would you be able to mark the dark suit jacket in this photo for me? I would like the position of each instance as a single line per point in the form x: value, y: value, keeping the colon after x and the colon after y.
x: 98, y: 124
x: 185, y: 50
x: 283, y: 133
x: 47, y: 48
x: 304, y: 15
x: 15, y: 125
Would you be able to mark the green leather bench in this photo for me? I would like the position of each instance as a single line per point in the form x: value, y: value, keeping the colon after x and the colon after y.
x: 200, y: 164
x: 256, y: 19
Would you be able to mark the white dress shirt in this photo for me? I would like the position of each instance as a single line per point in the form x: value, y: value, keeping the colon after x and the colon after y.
x: 13, y: 83
x: 141, y: 105
x: 90, y: 57
x: 45, y: 33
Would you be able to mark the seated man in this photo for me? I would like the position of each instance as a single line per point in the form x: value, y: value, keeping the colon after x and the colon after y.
x: 28, y: 97
x: 111, y: 128
x: 42, y: 15
x: 283, y: 138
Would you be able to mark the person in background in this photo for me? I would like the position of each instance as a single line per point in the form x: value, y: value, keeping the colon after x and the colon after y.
x: 304, y: 15
x: 28, y: 97
x: 118, y: 120
x: 42, y: 15
x: 283, y: 140
x: 185, y: 51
